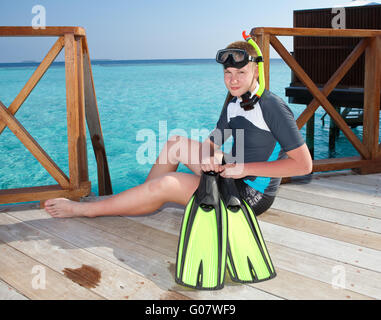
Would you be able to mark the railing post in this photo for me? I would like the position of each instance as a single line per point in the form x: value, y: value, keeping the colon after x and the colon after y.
x: 72, y: 105
x: 372, y: 88
x: 83, y: 163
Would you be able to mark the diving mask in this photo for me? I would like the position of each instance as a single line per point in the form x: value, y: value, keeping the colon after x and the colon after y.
x: 235, y: 58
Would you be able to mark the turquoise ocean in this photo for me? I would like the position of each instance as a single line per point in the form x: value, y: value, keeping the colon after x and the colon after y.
x: 140, y: 103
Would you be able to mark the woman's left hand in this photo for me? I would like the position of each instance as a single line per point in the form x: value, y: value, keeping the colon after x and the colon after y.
x: 233, y: 170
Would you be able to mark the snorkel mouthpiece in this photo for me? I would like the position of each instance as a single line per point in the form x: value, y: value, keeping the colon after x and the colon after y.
x: 247, y: 102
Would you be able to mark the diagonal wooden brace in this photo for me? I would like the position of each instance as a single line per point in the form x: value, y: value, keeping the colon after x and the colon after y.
x: 32, y: 145
x: 333, y: 81
x: 321, y: 98
x: 34, y: 79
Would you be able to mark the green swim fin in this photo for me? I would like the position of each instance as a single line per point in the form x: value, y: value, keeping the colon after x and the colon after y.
x: 201, y: 253
x: 248, y: 259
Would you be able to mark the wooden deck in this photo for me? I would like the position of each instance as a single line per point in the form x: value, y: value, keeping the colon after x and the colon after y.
x: 324, y: 236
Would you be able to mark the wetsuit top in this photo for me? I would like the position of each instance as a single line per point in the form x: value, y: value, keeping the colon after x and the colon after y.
x: 269, y: 131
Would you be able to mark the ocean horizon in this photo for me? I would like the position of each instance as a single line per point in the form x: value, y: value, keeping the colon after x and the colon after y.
x: 32, y: 63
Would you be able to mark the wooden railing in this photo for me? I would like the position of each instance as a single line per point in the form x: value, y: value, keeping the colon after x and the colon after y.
x: 369, y: 159
x: 81, y: 103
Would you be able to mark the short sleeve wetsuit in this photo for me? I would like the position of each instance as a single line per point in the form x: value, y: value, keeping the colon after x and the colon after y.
x: 269, y: 131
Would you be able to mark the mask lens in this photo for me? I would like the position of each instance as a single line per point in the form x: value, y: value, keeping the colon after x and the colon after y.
x: 223, y: 56
x: 238, y: 56
x: 232, y: 56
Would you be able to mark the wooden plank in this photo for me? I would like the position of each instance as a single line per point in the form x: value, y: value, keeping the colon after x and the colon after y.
x: 16, y: 269
x: 34, y: 79
x: 337, y: 164
x: 349, y: 176
x: 322, y: 226
x: 9, y: 293
x: 155, y: 267
x: 362, y: 190
x: 72, y: 104
x: 342, y: 252
x: 35, y: 149
x: 356, y: 280
x: 295, y: 261
x: 372, y: 88
x: 298, y: 287
x: 370, y: 190
x: 334, y: 193
x: 94, y: 125
x: 115, y: 281
x: 317, y: 32
x: 8, y: 31
x: 333, y: 81
x: 323, y: 198
x: 346, y: 163
x: 301, y: 74
x: 42, y: 193
x: 166, y: 219
x: 332, y: 215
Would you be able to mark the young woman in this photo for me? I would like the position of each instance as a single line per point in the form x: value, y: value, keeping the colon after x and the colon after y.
x: 272, y: 148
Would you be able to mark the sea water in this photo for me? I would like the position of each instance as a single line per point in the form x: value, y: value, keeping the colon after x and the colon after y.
x: 138, y: 101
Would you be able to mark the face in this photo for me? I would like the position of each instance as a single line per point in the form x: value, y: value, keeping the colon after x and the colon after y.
x: 239, y: 81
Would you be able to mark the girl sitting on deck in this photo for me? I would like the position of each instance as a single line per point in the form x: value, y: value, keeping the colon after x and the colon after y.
x: 272, y: 148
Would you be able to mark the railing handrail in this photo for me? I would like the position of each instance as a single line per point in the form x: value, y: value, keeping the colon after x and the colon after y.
x: 9, y: 31
x: 317, y: 32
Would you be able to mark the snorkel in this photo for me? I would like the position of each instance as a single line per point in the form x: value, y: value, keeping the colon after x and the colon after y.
x: 260, y: 65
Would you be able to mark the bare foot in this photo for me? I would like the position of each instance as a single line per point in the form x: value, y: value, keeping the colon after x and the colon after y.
x: 65, y: 208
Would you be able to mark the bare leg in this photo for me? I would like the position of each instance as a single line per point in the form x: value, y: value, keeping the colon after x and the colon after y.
x: 172, y: 187
x: 177, y: 149
x: 162, y: 185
